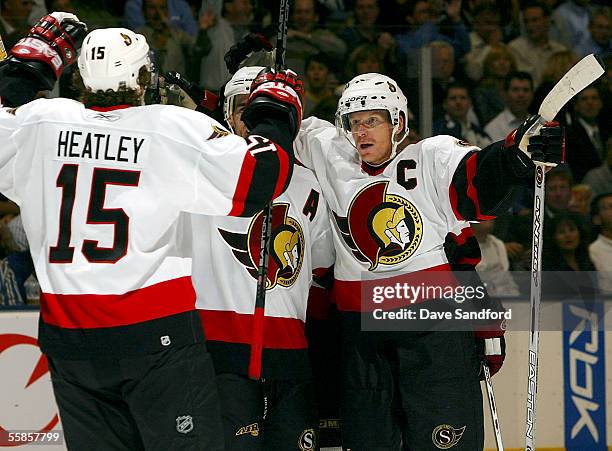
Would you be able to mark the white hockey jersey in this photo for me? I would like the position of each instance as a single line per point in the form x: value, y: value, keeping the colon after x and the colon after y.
x: 387, y: 224
x: 101, y: 195
x: 225, y: 260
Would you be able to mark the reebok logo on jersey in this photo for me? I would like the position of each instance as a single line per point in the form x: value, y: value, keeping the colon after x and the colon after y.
x: 252, y: 429
x: 184, y: 424
x: 445, y: 436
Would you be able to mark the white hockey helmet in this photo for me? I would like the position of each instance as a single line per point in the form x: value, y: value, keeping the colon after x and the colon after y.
x: 373, y: 92
x: 240, y: 83
x: 112, y: 57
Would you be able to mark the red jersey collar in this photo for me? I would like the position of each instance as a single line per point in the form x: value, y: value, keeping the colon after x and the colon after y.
x: 374, y: 170
x: 103, y: 109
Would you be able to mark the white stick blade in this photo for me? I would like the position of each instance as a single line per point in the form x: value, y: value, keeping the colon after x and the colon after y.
x: 585, y: 72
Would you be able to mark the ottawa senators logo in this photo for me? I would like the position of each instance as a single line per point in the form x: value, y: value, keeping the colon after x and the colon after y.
x: 381, y: 228
x: 286, y: 248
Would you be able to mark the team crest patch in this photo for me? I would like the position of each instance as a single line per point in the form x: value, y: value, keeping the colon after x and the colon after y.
x: 286, y: 249
x: 218, y: 132
x: 184, y: 424
x: 381, y: 228
x: 307, y: 440
x: 126, y: 39
x: 252, y: 429
x: 462, y: 143
x: 445, y: 436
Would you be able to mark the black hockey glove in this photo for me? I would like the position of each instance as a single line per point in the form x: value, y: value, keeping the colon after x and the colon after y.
x: 252, y: 42
x: 546, y: 145
x: 50, y: 46
x: 275, y: 95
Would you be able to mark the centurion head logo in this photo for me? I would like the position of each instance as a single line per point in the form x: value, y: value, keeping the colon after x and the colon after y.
x: 286, y: 248
x: 381, y: 228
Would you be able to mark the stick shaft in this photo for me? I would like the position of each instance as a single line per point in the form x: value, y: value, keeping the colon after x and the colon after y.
x: 535, y: 300
x: 266, y: 226
x: 493, y: 407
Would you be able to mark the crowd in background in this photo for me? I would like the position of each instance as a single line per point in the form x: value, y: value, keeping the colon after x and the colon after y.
x: 493, y: 62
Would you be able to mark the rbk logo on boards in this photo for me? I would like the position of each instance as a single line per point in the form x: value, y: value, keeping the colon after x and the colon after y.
x: 21, y: 387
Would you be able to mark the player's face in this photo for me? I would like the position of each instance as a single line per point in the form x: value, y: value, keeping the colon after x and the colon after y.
x: 567, y: 236
x: 236, y: 118
x: 372, y: 131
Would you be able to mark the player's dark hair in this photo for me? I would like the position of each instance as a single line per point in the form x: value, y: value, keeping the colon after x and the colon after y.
x: 123, y: 96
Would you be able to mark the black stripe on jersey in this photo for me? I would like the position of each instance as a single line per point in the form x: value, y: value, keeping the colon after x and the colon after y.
x: 122, y: 341
x: 268, y: 168
x: 497, y: 175
x: 17, y: 86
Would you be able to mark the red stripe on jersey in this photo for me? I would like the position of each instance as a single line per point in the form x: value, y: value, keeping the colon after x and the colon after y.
x: 318, y: 303
x: 463, y: 236
x: 283, y: 172
x: 232, y: 327
x: 102, y: 109
x: 244, y: 183
x: 452, y: 195
x: 86, y: 311
x: 472, y: 261
x: 349, y: 293
x: 472, y: 192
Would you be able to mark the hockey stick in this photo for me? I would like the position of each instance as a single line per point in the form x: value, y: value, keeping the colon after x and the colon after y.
x: 493, y: 407
x: 266, y: 226
x: 585, y: 72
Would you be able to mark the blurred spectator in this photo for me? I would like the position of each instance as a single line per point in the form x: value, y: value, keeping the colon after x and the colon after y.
x: 556, y: 67
x: 494, y: 266
x: 518, y: 95
x: 426, y: 26
x: 318, y: 91
x: 39, y: 9
x: 580, y: 201
x: 179, y: 16
x: 584, y: 141
x: 558, y: 194
x: 572, y: 16
x: 305, y: 37
x: 490, y: 92
x: 455, y: 122
x: 533, y: 50
x: 363, y: 60
x: 225, y: 31
x: 600, y: 178
x: 167, y: 43
x: 366, y: 30
x: 487, y: 32
x: 600, y: 250
x: 14, y: 20
x: 599, y: 38
x: 566, y: 249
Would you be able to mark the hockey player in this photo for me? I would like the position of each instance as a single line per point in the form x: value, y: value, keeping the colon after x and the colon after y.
x: 267, y: 398
x: 393, y: 204
x: 102, y: 188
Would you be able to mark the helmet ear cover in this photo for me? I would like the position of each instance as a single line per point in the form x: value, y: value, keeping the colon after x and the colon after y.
x: 111, y: 59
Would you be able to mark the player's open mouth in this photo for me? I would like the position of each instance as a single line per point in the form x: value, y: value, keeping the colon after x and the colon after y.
x: 365, y: 146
